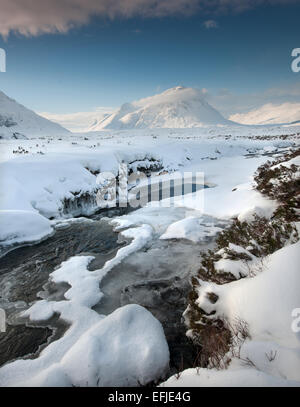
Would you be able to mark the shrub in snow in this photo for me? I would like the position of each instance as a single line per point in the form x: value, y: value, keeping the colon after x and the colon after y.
x: 280, y: 180
x: 241, y: 251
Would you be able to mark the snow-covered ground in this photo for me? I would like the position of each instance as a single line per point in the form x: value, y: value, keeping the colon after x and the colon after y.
x: 39, y: 177
x: 40, y: 174
x: 269, y: 303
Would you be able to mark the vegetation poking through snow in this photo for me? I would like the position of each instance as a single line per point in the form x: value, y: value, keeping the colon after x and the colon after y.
x: 246, y: 244
x: 260, y: 237
x: 281, y: 182
x: 20, y: 150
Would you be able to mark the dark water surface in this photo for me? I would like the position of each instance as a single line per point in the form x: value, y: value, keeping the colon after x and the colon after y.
x: 24, y: 272
x: 156, y: 277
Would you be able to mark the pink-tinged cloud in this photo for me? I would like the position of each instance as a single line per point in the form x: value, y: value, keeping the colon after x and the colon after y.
x: 34, y: 17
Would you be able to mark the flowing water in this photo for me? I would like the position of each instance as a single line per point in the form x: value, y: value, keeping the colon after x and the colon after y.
x: 156, y: 277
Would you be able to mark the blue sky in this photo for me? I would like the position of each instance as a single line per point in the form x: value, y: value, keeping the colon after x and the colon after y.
x: 108, y: 62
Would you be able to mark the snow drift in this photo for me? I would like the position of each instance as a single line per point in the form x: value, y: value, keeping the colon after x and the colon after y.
x: 178, y: 107
x: 266, y: 302
x: 16, y: 121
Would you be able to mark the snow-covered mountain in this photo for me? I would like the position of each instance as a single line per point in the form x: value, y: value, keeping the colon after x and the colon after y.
x: 288, y: 113
x: 178, y: 107
x: 18, y: 122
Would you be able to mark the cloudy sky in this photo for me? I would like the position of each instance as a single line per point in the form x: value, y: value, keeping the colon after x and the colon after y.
x: 67, y: 56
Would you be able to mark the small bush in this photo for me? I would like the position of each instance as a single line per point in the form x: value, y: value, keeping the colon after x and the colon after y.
x: 259, y: 238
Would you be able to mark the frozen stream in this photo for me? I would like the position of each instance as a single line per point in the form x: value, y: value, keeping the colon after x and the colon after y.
x: 156, y: 277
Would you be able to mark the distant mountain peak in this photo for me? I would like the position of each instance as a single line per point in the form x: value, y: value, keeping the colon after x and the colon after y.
x: 270, y: 114
x: 177, y: 107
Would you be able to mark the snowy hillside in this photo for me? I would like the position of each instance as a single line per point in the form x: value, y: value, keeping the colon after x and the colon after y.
x: 270, y: 114
x: 16, y: 121
x: 175, y: 108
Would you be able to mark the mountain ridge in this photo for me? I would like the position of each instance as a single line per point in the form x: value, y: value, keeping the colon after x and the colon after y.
x: 17, y: 121
x: 287, y: 113
x: 178, y: 107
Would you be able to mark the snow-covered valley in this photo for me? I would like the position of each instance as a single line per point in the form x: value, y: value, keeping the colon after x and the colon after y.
x: 149, y: 199
x: 99, y: 292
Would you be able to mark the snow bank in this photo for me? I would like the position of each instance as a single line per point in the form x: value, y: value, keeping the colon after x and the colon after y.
x: 17, y: 226
x: 266, y: 303
x: 190, y: 228
x: 245, y: 377
x: 42, y: 183
x: 232, y: 193
x: 127, y: 348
